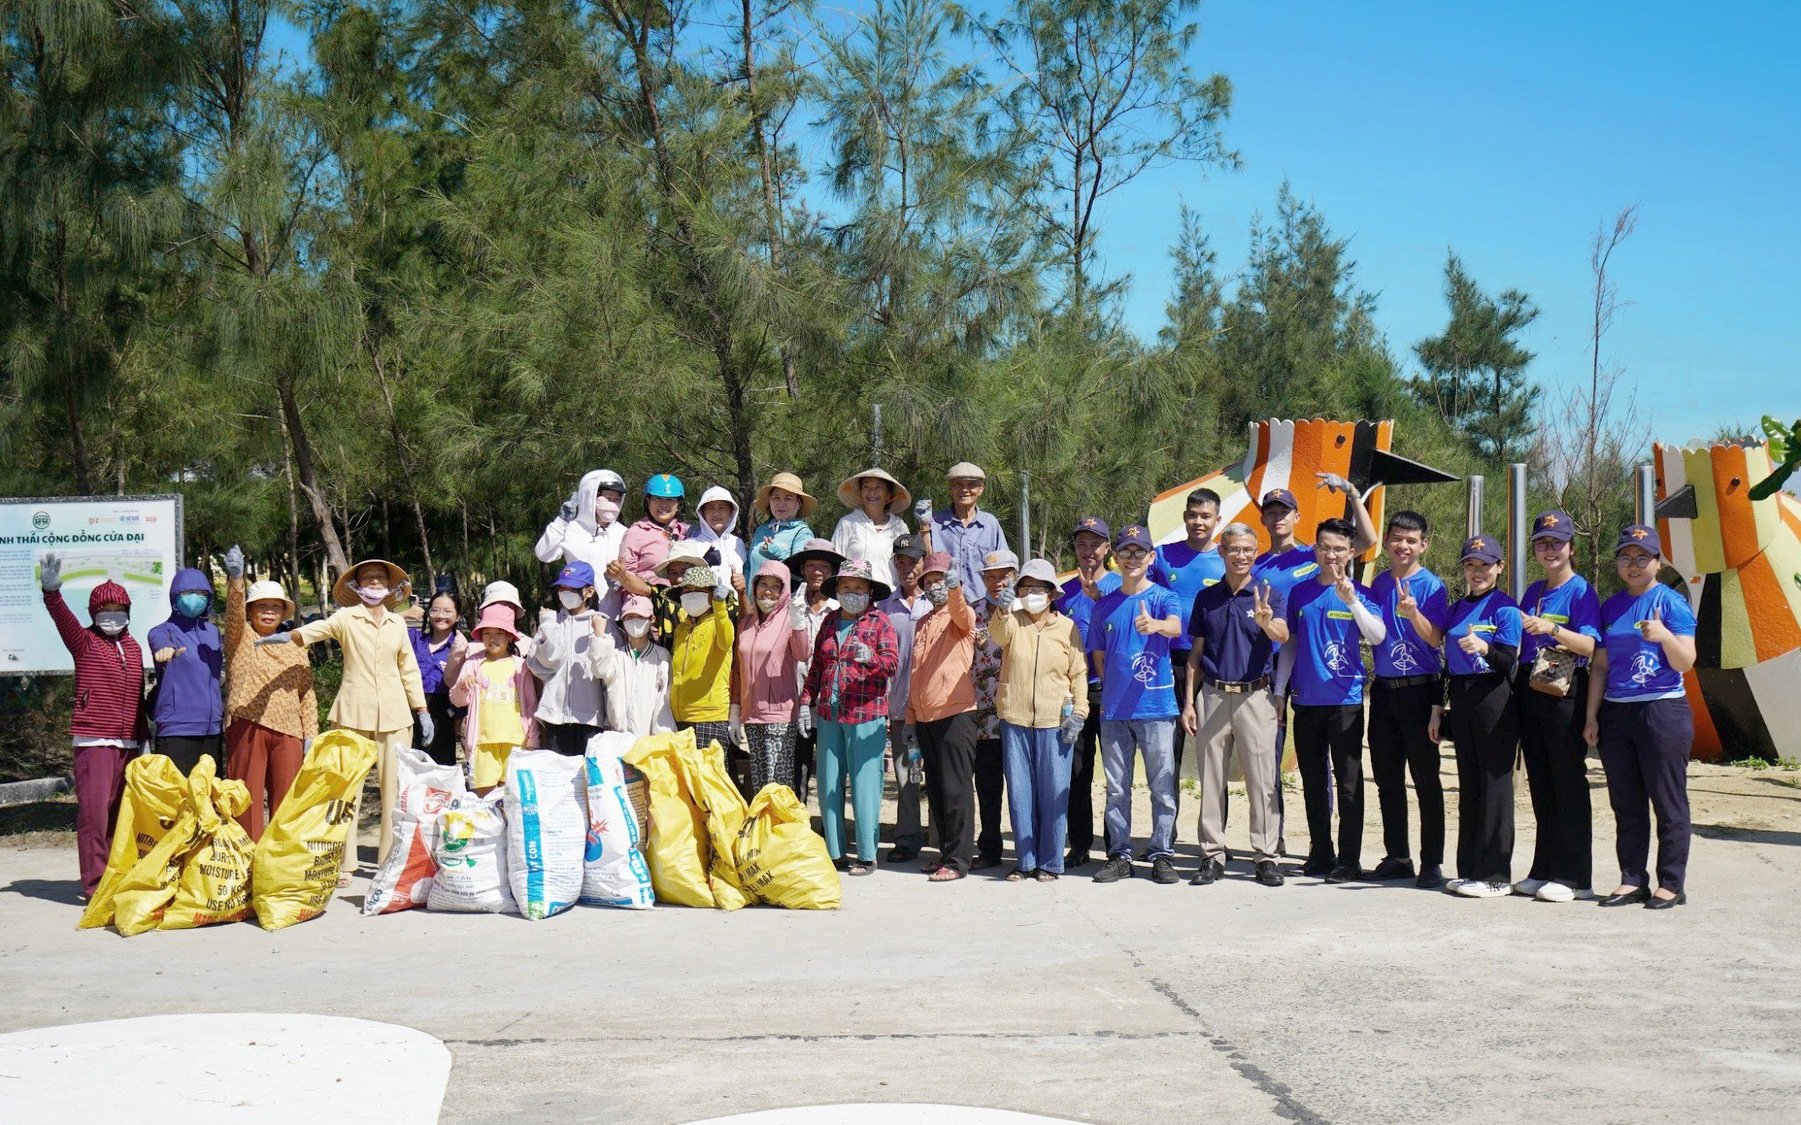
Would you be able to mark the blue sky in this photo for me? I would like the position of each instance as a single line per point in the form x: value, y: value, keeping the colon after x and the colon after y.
x: 1510, y: 134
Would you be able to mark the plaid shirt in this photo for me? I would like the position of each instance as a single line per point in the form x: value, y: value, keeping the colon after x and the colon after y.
x: 843, y: 691
x: 986, y: 672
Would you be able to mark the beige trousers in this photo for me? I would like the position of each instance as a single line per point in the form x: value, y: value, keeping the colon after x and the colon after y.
x: 1243, y: 723
x: 388, y: 742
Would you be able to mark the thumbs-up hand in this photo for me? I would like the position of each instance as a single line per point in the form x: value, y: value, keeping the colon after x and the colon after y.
x: 1473, y: 644
x: 459, y: 644
x: 1653, y: 629
x: 234, y: 562
x: 1145, y: 623
x: 597, y: 624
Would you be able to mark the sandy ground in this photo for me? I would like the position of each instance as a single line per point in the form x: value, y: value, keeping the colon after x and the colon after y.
x: 1124, y: 1003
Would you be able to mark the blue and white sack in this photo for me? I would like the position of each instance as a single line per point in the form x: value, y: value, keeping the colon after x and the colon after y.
x: 547, y: 824
x: 614, y: 872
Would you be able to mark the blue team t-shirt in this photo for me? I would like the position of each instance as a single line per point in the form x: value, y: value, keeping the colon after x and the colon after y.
x: 1286, y: 569
x: 1494, y: 617
x: 1572, y: 605
x: 1404, y: 652
x: 1138, y: 681
x: 1636, y: 668
x: 1186, y: 572
x: 1079, y: 607
x: 1328, y: 659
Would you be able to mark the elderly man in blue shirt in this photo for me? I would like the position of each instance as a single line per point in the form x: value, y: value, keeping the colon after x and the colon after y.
x: 963, y: 531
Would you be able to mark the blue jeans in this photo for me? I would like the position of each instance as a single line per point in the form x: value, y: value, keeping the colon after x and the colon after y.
x: 1156, y: 740
x: 853, y: 750
x: 1038, y: 766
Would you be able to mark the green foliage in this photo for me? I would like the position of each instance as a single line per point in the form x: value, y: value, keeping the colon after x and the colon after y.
x: 1476, y: 371
x: 1785, y: 451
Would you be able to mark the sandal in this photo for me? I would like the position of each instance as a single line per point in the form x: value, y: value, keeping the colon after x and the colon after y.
x: 1044, y: 876
x: 343, y: 881
x: 858, y: 867
x: 945, y: 875
x: 1020, y: 875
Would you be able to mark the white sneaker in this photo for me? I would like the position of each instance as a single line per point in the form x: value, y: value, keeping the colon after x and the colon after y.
x: 1476, y: 888
x: 1530, y: 887
x: 1557, y: 892
x: 1452, y: 886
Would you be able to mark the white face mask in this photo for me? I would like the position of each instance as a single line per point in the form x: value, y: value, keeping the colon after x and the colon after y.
x: 571, y: 599
x: 372, y: 595
x: 112, y: 623
x: 767, y: 605
x: 636, y: 626
x: 697, y: 603
x: 1036, y: 603
x: 605, y: 511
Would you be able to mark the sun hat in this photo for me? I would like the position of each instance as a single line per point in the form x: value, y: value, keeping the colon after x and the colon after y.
x: 858, y: 568
x: 501, y: 592
x: 787, y: 482
x: 268, y: 591
x: 966, y: 469
x: 682, y: 551
x: 699, y: 578
x: 497, y: 616
x: 1038, y: 570
x: 847, y: 491
x: 400, y: 587
x: 813, y: 550
x: 1000, y: 560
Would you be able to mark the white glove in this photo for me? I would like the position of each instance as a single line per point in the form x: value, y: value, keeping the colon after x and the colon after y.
x: 953, y: 578
x: 234, y: 562
x: 922, y: 510
x: 722, y: 590
x: 797, y: 612
x: 860, y: 653
x: 1003, y: 598
x: 306, y: 747
x: 568, y: 510
x: 803, y: 721
x: 426, y: 730
x: 50, y: 573
x: 274, y: 639
x: 737, y: 724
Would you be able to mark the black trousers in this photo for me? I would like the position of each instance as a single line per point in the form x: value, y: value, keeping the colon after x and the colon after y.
x: 1178, y: 662
x: 569, y: 739
x: 186, y: 751
x: 1557, y: 778
x: 443, y: 745
x: 1328, y: 745
x: 1081, y: 778
x: 1485, y: 727
x: 804, y: 745
x: 1399, y: 746
x: 949, y: 749
x: 991, y: 782
x: 1645, y: 748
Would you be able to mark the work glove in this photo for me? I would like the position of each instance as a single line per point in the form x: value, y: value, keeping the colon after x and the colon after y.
x: 953, y: 578
x: 860, y: 652
x: 722, y: 590
x: 569, y: 510
x: 922, y: 511
x: 1070, y: 728
x: 306, y: 747
x: 803, y: 721
x: 797, y: 612
x: 234, y: 562
x: 736, y: 722
x: 50, y: 573
x: 1003, y: 598
x: 275, y: 639
x: 426, y: 730
x: 910, y: 739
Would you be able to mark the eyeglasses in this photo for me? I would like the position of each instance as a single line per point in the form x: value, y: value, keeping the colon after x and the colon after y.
x: 1636, y: 562
x: 1128, y: 553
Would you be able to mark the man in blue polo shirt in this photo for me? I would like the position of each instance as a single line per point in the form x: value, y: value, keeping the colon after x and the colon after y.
x: 1236, y: 625
x: 963, y: 531
x: 1128, y: 640
x: 1187, y: 568
x: 1415, y: 611
x: 1329, y: 618
x: 1092, y: 581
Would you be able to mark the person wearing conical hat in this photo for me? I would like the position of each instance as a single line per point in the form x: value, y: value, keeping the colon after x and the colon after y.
x: 869, y: 529
x: 271, y: 715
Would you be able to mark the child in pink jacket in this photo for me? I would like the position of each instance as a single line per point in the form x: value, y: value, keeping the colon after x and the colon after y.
x: 501, y: 697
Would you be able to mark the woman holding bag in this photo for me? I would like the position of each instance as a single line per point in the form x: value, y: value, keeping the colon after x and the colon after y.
x: 773, y: 633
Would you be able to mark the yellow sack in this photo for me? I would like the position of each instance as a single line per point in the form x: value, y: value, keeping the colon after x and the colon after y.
x: 150, y: 806
x: 678, y: 847
x: 294, y: 869
x: 724, y: 810
x: 215, y: 881
x: 146, y: 892
x: 781, y: 860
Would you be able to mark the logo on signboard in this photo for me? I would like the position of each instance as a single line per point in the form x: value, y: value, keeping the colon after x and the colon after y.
x: 40, y: 520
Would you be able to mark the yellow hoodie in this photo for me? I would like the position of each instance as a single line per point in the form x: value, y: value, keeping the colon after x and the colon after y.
x: 700, y: 686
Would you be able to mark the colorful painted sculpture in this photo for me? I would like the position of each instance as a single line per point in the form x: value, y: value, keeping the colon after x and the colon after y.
x: 1742, y: 561
x: 1284, y: 454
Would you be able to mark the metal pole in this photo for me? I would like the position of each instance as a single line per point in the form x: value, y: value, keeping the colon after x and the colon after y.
x: 875, y: 433
x: 1644, y: 494
x: 1516, y: 530
x: 1472, y: 522
x: 1025, y: 515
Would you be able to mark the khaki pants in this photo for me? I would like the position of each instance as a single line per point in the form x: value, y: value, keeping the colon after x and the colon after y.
x: 387, y: 768
x: 1241, y: 724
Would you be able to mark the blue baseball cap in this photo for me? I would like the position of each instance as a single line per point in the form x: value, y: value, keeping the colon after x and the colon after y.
x: 1554, y: 525
x: 1279, y: 496
x: 1483, y: 548
x: 1094, y: 525
x: 1641, y: 535
x: 575, y: 576
x: 1133, y: 535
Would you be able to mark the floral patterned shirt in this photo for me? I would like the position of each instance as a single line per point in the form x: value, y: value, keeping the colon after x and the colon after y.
x: 986, y: 672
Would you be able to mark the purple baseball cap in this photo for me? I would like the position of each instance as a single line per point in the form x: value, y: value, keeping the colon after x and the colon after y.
x: 1094, y: 525
x: 1554, y: 525
x: 1133, y: 535
x: 1483, y: 548
x: 1279, y: 496
x: 1641, y: 535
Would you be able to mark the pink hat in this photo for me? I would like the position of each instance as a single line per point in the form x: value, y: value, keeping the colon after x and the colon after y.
x: 637, y: 606
x: 500, y: 617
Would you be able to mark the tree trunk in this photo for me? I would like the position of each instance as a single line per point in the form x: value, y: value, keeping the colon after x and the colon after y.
x: 307, y: 476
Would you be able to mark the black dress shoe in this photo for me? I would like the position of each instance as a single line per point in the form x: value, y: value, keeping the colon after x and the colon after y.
x: 1076, y: 859
x: 1318, y: 865
x: 1268, y: 875
x: 901, y: 854
x: 1431, y: 878
x: 1344, y: 873
x: 1210, y: 872
x: 1655, y: 903
x: 1631, y: 898
x: 1392, y: 868
x: 983, y: 863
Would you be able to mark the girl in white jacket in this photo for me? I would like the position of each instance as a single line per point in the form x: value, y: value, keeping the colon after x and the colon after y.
x: 588, y: 530
x: 717, y: 532
x: 636, y: 675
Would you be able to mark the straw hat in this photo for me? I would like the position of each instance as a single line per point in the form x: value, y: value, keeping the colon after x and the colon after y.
x: 847, y: 491
x: 682, y: 550
x: 400, y: 587
x: 858, y: 568
x: 787, y: 482
x: 267, y: 591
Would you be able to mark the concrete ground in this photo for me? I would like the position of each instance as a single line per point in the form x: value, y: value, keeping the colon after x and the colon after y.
x: 1124, y: 1003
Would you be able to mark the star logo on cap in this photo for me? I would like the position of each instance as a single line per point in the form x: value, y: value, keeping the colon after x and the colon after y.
x: 1639, y: 533
x: 1134, y: 530
x: 1477, y: 544
x: 1548, y: 521
x: 1088, y: 522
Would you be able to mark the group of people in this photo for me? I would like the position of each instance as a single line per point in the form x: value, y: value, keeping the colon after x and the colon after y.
x: 931, y: 652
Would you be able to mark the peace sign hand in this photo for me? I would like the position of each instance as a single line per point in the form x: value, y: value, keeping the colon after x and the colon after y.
x: 1347, y: 593
x: 1406, y: 605
x: 1091, y: 587
x: 1260, y: 607
x: 1653, y: 629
